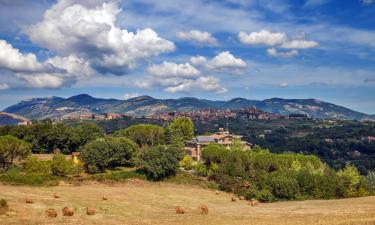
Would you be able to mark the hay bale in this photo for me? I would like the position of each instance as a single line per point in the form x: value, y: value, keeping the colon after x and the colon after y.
x: 29, y: 200
x: 180, y: 210
x: 50, y: 213
x: 254, y: 202
x: 90, y: 211
x: 67, y: 211
x: 217, y: 192
x: 55, y: 195
x: 203, y: 209
x: 233, y: 199
x: 242, y: 198
x: 105, y: 198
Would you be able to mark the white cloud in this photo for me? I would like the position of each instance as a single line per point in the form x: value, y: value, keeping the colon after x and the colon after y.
x: 288, y: 54
x: 130, y: 95
x: 198, y: 60
x: 202, y: 83
x: 42, y: 80
x: 12, y: 59
x: 263, y: 37
x: 284, y: 84
x: 225, y: 61
x: 170, y: 69
x: 3, y: 86
x: 315, y: 2
x: 201, y: 37
x: 299, y: 44
x: 91, y: 33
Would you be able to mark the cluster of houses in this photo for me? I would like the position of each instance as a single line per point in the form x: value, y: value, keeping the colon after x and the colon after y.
x: 208, y: 115
x: 89, y: 116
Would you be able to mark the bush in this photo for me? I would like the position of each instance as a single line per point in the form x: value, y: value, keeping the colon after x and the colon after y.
x: 33, y: 165
x: 371, y: 180
x: 190, y: 179
x: 187, y: 162
x: 201, y: 169
x: 265, y: 196
x: 15, y: 176
x: 60, y: 166
x: 159, y: 162
x: 284, y: 187
x: 119, y: 176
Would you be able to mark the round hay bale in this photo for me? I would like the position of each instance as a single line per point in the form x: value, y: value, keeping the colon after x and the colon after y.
x: 242, y: 198
x: 254, y: 202
x: 203, y: 209
x: 105, y: 198
x: 180, y: 210
x: 217, y: 192
x: 67, y: 211
x: 233, y: 199
x: 50, y: 213
x: 55, y: 195
x: 29, y: 200
x: 90, y: 211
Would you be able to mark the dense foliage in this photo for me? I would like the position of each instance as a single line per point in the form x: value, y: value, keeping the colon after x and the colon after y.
x: 143, y: 134
x: 108, y: 152
x: 268, y: 176
x: 12, y: 149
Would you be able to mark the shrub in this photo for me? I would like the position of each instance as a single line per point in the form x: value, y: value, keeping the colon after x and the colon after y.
x: 15, y: 176
x: 60, y: 166
x: 33, y: 165
x: 265, y: 196
x: 284, y: 187
x: 159, y: 162
x: 119, y: 176
x: 187, y: 162
x: 201, y: 169
x: 371, y: 180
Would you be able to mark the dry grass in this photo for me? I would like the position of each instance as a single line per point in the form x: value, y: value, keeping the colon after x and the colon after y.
x: 141, y: 203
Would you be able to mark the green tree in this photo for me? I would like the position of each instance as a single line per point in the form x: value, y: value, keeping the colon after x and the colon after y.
x: 108, y: 152
x: 143, y: 134
x: 60, y: 166
x: 12, y: 149
x: 182, y: 129
x: 159, y: 162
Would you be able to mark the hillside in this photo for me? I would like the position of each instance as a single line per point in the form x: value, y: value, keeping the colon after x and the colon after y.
x: 10, y: 119
x: 55, y: 107
x: 143, y: 203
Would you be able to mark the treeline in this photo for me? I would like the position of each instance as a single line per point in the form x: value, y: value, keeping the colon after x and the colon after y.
x: 266, y: 176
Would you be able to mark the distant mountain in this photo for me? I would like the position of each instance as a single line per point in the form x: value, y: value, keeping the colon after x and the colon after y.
x: 55, y: 107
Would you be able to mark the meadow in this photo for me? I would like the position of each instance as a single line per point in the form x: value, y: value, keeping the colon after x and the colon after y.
x: 138, y: 202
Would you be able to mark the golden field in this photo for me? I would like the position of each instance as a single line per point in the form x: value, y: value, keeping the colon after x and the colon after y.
x: 140, y: 203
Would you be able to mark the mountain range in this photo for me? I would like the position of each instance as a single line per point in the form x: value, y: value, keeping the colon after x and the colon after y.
x: 55, y: 107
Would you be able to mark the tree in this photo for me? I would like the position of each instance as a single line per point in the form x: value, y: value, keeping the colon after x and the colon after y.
x: 12, y: 149
x: 183, y: 128
x: 159, y: 162
x: 60, y: 166
x: 143, y: 134
x: 108, y: 152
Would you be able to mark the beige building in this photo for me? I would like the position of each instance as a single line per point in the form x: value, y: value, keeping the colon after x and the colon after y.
x: 194, y: 146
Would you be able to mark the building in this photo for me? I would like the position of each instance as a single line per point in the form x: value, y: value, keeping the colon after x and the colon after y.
x: 75, y: 157
x: 194, y: 146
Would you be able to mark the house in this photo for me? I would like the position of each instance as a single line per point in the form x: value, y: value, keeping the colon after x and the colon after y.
x: 194, y: 146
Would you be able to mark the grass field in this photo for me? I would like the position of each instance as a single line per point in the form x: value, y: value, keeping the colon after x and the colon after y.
x: 140, y: 202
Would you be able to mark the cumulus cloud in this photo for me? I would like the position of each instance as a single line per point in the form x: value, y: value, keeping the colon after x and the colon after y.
x: 200, y: 37
x: 3, y: 86
x: 275, y: 53
x: 299, y: 44
x: 90, y: 32
x: 12, y: 59
x: 198, y: 60
x: 284, y: 84
x: 263, y: 37
x: 42, y: 80
x: 130, y: 95
x: 170, y: 69
x: 225, y: 61
x: 209, y: 83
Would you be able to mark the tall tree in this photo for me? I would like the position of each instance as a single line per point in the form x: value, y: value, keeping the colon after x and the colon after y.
x: 12, y: 149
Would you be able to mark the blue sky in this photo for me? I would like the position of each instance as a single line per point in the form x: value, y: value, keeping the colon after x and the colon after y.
x: 256, y: 49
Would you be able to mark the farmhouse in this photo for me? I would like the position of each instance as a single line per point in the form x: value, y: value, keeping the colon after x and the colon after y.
x: 194, y: 146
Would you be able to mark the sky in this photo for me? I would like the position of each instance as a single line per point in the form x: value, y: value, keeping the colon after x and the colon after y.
x: 213, y: 49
